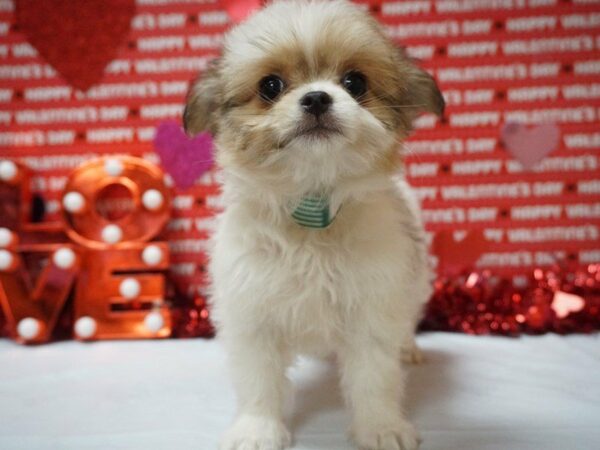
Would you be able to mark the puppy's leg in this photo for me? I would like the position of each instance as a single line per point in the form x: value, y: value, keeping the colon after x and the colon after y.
x: 258, y: 370
x: 373, y: 383
x: 410, y: 351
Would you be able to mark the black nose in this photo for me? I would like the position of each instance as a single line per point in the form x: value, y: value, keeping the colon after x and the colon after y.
x: 316, y: 102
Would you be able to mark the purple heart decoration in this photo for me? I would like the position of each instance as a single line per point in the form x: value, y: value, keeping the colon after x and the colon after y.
x: 529, y: 145
x: 182, y: 157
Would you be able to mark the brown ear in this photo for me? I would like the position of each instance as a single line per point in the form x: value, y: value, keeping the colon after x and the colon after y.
x: 423, y: 92
x: 203, y: 100
x: 420, y: 92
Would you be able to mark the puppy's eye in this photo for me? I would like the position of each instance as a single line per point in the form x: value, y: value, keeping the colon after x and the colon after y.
x: 355, y: 83
x: 270, y: 87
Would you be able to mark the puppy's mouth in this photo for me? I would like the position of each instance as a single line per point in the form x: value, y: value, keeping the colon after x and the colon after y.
x: 317, y: 129
x: 314, y: 129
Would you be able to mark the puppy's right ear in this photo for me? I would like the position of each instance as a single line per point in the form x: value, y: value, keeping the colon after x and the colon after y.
x: 203, y: 101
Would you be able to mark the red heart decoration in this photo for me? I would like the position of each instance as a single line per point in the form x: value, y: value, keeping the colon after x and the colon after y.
x: 457, y: 255
x: 529, y: 145
x: 77, y: 38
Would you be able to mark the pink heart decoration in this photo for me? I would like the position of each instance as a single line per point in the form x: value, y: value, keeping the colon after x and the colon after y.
x: 238, y: 10
x: 184, y: 158
x: 529, y: 145
x: 564, y: 304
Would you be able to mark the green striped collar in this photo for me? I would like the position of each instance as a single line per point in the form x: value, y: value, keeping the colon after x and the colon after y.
x: 314, y: 211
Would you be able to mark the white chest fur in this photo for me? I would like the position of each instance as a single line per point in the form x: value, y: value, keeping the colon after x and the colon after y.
x: 310, y: 286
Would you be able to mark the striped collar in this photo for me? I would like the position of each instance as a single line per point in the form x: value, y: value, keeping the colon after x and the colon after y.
x: 314, y: 211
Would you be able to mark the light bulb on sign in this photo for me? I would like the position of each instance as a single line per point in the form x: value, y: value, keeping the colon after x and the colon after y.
x: 152, y: 199
x: 113, y: 167
x: 6, y: 259
x: 111, y: 234
x: 6, y: 237
x: 8, y: 170
x: 130, y: 288
x: 152, y: 255
x: 154, y: 322
x: 73, y: 202
x: 85, y: 327
x: 28, y: 328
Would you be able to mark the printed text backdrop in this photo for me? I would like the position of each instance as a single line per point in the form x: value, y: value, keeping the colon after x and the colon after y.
x: 526, y: 62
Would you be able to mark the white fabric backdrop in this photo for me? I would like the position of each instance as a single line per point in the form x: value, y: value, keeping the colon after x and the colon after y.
x: 478, y: 393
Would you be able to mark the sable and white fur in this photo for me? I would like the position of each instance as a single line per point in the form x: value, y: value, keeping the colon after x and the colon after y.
x: 354, y: 289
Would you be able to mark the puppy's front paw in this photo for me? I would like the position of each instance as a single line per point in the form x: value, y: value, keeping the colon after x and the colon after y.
x: 412, y: 355
x: 256, y: 433
x: 400, y: 436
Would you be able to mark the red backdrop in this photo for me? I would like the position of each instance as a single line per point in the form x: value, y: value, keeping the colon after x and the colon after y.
x: 525, y: 62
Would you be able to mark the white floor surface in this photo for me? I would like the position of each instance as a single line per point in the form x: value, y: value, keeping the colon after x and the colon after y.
x: 473, y: 393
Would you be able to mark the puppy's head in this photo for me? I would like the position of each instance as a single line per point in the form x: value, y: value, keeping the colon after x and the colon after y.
x: 307, y: 93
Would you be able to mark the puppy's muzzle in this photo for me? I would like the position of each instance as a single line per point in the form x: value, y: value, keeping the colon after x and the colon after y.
x: 316, y: 103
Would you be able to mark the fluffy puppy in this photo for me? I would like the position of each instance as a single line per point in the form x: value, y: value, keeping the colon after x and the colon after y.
x: 319, y: 249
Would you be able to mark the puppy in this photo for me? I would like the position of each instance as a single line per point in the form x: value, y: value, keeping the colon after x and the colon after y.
x: 319, y: 249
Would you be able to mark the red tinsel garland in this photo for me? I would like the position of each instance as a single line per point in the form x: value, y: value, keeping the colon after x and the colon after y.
x: 475, y: 302
x: 192, y: 320
x: 481, y: 303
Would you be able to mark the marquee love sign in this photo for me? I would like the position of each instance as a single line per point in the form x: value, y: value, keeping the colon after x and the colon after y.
x: 101, y: 251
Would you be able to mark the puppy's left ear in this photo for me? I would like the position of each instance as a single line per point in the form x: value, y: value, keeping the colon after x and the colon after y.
x: 420, y: 92
x: 423, y: 92
x: 203, y: 101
